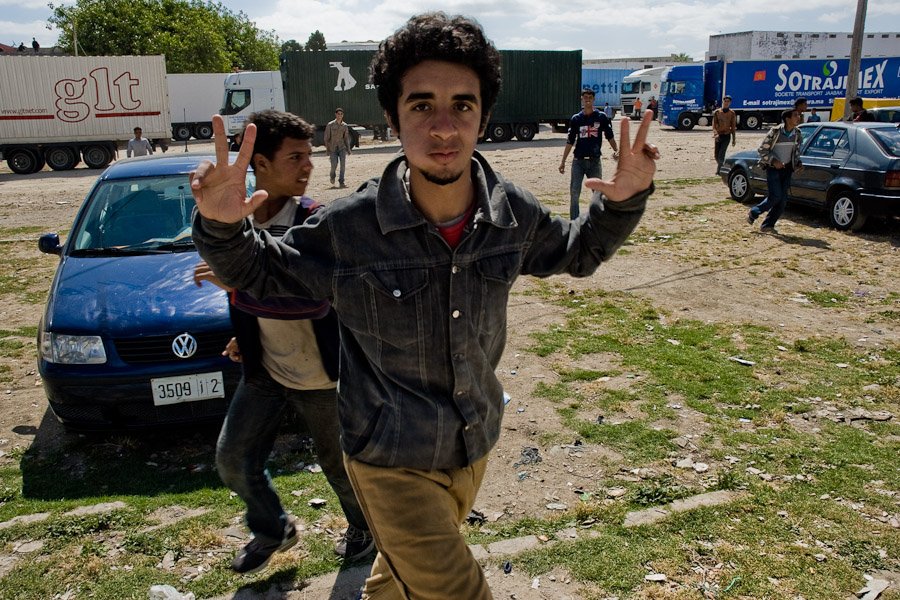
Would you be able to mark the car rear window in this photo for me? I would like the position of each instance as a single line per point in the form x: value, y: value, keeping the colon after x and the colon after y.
x: 888, y: 139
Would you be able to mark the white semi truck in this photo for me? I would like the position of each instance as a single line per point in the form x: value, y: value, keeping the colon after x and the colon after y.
x: 61, y: 110
x: 641, y: 84
x: 193, y: 99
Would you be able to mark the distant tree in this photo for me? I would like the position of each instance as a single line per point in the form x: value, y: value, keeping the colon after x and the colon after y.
x: 196, y: 36
x: 682, y: 57
x: 291, y: 46
x: 316, y: 41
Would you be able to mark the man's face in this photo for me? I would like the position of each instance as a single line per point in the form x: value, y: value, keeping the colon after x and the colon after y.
x: 287, y: 174
x: 726, y: 102
x: 439, y: 119
x: 137, y: 134
x: 856, y: 108
x: 339, y: 116
x: 794, y: 119
x: 801, y: 107
x: 587, y: 101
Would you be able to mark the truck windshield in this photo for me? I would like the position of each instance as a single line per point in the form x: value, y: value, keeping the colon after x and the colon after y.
x: 236, y: 101
x: 631, y: 87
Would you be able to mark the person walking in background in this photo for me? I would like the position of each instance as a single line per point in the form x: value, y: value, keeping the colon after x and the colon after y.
x: 779, y: 155
x: 137, y: 145
x: 800, y: 106
x: 857, y: 112
x: 724, y: 126
x: 337, y: 144
x: 288, y: 350
x: 813, y: 117
x: 35, y: 45
x: 585, y: 129
x: 608, y: 111
x: 653, y: 105
x: 418, y: 264
x: 638, y: 105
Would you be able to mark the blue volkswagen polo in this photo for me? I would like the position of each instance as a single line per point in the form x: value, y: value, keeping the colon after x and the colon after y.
x: 127, y: 339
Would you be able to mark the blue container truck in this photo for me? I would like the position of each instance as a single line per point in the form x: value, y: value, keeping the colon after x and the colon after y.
x: 761, y: 89
x: 607, y: 85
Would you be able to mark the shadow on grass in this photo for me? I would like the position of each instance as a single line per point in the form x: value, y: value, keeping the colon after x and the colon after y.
x: 63, y: 465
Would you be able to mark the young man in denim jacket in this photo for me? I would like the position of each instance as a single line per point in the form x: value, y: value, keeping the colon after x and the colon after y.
x: 418, y: 265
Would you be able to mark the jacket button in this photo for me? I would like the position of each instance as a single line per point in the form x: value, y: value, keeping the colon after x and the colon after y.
x: 454, y: 269
x: 396, y: 293
x: 455, y: 314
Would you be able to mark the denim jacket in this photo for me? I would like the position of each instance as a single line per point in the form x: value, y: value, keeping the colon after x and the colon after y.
x: 423, y: 326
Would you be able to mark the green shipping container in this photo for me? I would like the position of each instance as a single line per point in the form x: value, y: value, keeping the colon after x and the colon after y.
x: 538, y: 87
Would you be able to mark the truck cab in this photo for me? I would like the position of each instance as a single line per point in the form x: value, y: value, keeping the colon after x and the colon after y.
x: 640, y: 84
x: 681, y: 96
x: 249, y: 92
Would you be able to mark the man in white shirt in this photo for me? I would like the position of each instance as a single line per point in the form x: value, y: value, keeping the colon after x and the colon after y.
x: 138, y: 145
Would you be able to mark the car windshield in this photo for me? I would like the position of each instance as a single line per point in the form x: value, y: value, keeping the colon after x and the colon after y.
x: 140, y: 214
x: 888, y: 138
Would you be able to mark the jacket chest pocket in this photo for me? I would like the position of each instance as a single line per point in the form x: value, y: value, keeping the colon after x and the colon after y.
x: 398, y: 306
x: 496, y: 275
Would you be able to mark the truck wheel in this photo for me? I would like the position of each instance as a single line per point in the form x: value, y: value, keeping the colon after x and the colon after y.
x: 525, y: 131
x: 95, y: 156
x: 686, y: 121
x: 181, y: 132
x: 61, y: 158
x: 751, y: 120
x: 500, y: 132
x: 203, y: 131
x: 739, y: 185
x: 844, y: 212
x: 23, y: 161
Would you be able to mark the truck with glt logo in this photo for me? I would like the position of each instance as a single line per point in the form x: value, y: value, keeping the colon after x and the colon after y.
x: 61, y: 110
x: 761, y: 89
x: 538, y: 87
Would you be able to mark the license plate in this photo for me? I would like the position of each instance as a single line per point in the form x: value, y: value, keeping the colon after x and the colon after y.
x: 187, y: 388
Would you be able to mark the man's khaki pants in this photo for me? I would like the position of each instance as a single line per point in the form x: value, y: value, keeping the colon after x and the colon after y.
x: 415, y: 518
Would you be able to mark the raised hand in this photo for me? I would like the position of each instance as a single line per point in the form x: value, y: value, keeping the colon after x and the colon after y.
x: 219, y: 188
x: 637, y: 163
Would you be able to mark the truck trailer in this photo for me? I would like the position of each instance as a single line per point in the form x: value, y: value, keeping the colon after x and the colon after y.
x: 193, y: 99
x: 761, y: 89
x: 607, y: 85
x: 60, y: 110
x: 538, y: 87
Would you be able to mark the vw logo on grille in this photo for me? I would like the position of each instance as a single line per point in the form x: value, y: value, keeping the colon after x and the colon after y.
x: 184, y: 346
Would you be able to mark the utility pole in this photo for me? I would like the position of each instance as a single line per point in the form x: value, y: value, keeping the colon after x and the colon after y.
x: 855, y: 55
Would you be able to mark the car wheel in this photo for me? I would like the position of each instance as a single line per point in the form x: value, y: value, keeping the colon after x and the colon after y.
x: 61, y: 158
x: 686, y: 121
x: 22, y: 161
x: 751, y: 120
x: 525, y: 132
x: 203, y: 131
x: 739, y: 185
x: 500, y: 132
x: 844, y: 212
x: 95, y: 156
x: 181, y: 132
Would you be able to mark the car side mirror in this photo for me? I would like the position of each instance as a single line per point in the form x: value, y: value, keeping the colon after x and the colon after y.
x: 49, y: 243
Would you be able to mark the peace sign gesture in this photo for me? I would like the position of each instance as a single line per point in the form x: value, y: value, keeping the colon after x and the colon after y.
x: 219, y: 188
x: 637, y: 163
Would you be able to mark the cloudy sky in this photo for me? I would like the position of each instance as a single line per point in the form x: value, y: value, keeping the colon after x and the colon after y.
x: 600, y: 29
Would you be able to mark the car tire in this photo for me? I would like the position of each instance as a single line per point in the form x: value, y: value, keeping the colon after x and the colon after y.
x: 686, y: 121
x: 95, y: 156
x: 500, y: 132
x: 61, y: 158
x: 751, y: 120
x: 203, y: 131
x: 181, y: 132
x: 525, y: 131
x: 844, y: 211
x: 23, y: 161
x: 739, y: 185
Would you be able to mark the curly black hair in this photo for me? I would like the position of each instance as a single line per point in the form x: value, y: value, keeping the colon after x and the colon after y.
x: 436, y: 36
x: 273, y: 126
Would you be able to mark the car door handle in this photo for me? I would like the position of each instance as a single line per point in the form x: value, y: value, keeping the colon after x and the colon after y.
x: 835, y: 166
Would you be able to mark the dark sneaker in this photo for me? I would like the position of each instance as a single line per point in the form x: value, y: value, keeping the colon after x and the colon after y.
x: 768, y: 229
x: 356, y: 543
x: 750, y: 217
x: 254, y: 557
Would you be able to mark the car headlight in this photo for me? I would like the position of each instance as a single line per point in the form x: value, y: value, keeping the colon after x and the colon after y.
x: 72, y: 349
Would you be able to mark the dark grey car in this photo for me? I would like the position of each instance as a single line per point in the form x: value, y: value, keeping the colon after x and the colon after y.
x: 851, y: 169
